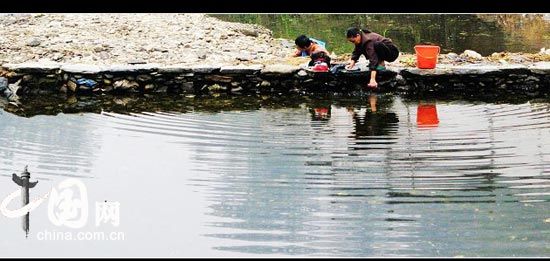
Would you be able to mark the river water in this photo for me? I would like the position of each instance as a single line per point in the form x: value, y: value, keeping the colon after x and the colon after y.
x: 484, y: 33
x: 371, y: 176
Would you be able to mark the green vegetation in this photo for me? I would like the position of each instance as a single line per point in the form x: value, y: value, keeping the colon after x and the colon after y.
x: 454, y: 33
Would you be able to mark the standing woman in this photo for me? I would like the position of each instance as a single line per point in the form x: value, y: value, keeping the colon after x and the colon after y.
x: 376, y: 48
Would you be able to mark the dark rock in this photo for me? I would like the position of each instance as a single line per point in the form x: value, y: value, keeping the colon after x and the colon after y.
x: 27, y: 78
x: 218, y: 78
x: 162, y: 89
x: 143, y: 78
x: 84, y: 88
x: 108, y: 88
x: 187, y: 86
x: 3, y: 83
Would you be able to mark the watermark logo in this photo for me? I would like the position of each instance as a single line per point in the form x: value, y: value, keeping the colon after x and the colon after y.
x: 68, y: 206
x: 20, y: 211
x: 107, y: 211
x: 24, y: 182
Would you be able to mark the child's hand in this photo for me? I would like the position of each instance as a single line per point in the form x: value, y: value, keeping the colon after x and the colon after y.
x: 350, y: 65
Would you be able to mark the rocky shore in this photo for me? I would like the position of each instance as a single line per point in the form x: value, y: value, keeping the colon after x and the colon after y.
x: 104, y: 39
x: 170, y: 39
x: 198, y: 54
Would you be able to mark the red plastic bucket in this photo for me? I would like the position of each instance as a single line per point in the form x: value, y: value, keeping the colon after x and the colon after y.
x: 426, y: 56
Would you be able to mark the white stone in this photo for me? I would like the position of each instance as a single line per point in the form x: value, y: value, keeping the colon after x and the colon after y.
x: 82, y: 68
x: 131, y: 67
x: 176, y: 68
x: 280, y: 69
x: 204, y: 68
x: 241, y: 69
x: 540, y: 67
x: 473, y: 54
x: 32, y: 66
x: 302, y: 73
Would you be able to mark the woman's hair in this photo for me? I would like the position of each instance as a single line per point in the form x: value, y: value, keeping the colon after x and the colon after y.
x: 302, y: 41
x: 353, y: 31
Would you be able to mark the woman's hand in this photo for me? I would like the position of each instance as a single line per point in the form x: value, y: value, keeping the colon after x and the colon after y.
x: 373, y: 84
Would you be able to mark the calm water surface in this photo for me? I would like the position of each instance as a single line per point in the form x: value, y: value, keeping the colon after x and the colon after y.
x: 377, y: 176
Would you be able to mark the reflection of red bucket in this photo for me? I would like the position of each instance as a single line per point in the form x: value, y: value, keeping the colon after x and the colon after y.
x: 427, y: 115
x: 426, y: 56
x: 321, y: 111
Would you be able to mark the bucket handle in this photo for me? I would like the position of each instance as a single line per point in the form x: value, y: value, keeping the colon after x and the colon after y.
x: 429, y: 57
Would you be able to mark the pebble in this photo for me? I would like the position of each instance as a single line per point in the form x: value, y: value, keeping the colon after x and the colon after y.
x: 473, y: 55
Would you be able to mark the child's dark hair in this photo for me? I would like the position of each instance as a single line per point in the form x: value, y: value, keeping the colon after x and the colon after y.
x: 353, y: 31
x: 302, y: 41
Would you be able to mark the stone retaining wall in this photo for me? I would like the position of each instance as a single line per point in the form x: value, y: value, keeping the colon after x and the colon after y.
x: 475, y: 79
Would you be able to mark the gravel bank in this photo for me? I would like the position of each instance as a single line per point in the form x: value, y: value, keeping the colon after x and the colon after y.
x: 105, y: 39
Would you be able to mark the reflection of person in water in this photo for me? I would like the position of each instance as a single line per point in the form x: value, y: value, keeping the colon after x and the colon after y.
x: 320, y: 111
x: 374, y: 122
